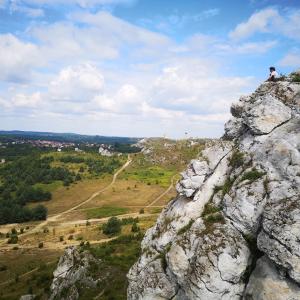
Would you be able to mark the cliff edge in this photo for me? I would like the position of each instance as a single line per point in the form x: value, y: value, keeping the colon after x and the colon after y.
x: 233, y: 230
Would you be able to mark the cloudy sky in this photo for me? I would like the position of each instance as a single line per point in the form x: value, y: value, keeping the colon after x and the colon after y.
x: 138, y: 67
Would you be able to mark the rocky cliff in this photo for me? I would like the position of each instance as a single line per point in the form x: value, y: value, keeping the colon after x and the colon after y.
x: 233, y: 231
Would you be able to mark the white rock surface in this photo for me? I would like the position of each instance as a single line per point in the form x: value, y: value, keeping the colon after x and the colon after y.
x: 266, y: 283
x: 72, y: 269
x: 200, y: 246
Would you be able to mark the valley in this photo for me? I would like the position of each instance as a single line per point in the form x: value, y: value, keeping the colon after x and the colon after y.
x: 133, y: 187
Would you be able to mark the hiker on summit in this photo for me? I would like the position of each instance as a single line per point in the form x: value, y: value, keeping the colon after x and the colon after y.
x: 273, y: 74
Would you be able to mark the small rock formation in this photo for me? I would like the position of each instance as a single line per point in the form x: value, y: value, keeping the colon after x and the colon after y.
x: 233, y: 230
x: 105, y: 150
x: 72, y: 271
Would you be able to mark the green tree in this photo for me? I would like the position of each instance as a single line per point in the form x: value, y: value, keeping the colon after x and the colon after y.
x: 112, y: 227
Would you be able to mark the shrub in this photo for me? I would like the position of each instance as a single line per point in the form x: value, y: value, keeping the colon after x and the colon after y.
x: 15, y: 248
x: 214, y: 218
x: 112, y: 227
x: 61, y: 238
x: 295, y: 77
x: 13, y: 239
x: 237, y: 159
x: 70, y: 237
x: 227, y: 186
x: 210, y: 208
x: 142, y: 211
x: 41, y: 245
x: 135, y: 228
x: 252, y: 175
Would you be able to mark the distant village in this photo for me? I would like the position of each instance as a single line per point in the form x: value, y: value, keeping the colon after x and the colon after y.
x: 103, y: 149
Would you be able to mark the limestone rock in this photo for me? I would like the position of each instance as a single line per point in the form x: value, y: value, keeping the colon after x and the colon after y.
x: 266, y: 115
x: 72, y: 269
x: 266, y: 283
x: 237, y: 196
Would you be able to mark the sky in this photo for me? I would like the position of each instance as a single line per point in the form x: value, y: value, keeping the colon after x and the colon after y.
x: 138, y: 67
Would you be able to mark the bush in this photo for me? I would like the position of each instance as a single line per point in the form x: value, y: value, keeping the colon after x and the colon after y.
x: 112, y: 227
x: 70, y: 237
x: 135, y: 228
x: 252, y: 175
x: 61, y: 238
x: 13, y: 239
x: 295, y: 77
x: 142, y: 211
x: 41, y: 245
x: 237, y: 159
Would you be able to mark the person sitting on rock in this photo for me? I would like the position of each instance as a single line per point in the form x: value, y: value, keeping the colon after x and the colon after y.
x: 273, y: 74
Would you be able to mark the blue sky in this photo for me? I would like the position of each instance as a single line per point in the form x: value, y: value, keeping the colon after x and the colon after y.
x: 138, y: 67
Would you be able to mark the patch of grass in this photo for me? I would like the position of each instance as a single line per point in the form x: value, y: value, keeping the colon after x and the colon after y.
x: 237, y: 159
x: 105, y: 211
x: 152, y: 175
x: 295, y: 77
x: 185, y: 228
x: 227, y: 186
x: 252, y: 175
x: 210, y: 208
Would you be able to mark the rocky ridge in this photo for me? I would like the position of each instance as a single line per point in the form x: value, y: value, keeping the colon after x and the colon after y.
x: 233, y: 230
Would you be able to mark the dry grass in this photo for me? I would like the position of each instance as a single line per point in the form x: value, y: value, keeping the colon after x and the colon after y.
x: 64, y: 198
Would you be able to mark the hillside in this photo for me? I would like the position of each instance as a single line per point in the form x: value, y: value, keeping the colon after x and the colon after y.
x: 91, y: 189
x: 232, y: 231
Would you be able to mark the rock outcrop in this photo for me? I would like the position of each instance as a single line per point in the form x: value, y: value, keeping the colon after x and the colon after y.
x: 72, y: 271
x: 233, y: 230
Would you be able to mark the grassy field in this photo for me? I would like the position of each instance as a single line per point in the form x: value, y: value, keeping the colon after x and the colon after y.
x: 64, y: 198
x: 27, y: 271
x: 141, y: 184
x: 30, y: 270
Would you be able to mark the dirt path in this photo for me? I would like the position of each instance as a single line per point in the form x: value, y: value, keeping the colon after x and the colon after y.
x: 163, y: 194
x: 57, y: 216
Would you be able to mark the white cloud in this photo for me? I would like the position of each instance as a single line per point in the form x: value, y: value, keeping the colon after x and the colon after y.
x: 82, y: 3
x: 29, y: 11
x: 30, y: 101
x: 17, y: 58
x: 76, y: 84
x: 291, y: 59
x: 258, y: 22
x: 247, y: 48
x: 269, y: 20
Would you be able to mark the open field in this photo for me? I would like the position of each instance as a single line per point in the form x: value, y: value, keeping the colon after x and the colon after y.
x: 141, y: 188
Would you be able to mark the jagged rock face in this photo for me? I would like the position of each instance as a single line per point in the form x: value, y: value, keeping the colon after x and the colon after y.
x: 239, y: 195
x: 72, y: 270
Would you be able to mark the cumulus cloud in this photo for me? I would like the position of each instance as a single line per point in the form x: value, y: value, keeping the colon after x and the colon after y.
x: 269, y: 20
x: 17, y: 58
x: 23, y: 100
x: 195, y: 86
x: 258, y: 22
x: 76, y: 84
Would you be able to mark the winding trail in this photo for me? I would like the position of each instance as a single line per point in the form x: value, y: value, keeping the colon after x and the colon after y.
x: 54, y: 218
x: 163, y: 194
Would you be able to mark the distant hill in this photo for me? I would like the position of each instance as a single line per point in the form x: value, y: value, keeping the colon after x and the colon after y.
x: 67, y: 137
